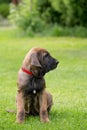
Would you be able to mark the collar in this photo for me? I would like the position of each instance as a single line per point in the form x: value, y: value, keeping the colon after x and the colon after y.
x: 27, y: 71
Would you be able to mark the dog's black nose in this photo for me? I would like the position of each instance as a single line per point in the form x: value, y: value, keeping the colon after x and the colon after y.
x: 57, y: 62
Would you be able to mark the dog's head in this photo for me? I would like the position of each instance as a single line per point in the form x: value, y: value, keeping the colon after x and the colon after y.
x: 41, y: 62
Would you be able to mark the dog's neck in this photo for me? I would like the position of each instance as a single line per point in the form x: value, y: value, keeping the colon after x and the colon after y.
x: 26, y: 71
x: 32, y: 86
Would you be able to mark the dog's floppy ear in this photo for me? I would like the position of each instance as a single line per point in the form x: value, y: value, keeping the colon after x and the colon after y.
x: 34, y: 60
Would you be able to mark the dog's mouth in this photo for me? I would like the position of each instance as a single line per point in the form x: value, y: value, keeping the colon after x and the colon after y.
x: 55, y: 64
x: 52, y: 66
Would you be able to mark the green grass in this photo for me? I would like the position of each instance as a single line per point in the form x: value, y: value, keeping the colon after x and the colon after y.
x: 68, y: 83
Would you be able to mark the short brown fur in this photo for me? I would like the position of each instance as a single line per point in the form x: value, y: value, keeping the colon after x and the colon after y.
x: 29, y: 103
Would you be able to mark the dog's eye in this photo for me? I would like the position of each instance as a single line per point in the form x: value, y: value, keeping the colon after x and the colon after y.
x: 46, y: 54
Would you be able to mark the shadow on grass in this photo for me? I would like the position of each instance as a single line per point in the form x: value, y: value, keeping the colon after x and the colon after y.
x: 70, y: 115
x: 57, y: 31
x: 50, y: 31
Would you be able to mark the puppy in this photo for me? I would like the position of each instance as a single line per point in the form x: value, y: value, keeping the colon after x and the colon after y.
x: 32, y: 97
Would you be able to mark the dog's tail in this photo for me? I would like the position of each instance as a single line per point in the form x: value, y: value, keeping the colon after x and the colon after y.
x: 15, y: 112
x: 11, y: 111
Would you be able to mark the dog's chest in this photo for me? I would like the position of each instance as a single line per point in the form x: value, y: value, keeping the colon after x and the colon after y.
x: 34, y: 86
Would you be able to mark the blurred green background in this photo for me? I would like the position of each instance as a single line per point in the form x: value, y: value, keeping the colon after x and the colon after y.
x: 47, y: 17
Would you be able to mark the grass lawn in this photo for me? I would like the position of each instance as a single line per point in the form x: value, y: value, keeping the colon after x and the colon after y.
x: 67, y: 83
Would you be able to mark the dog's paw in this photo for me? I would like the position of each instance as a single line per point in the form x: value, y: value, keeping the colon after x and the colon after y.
x: 19, y: 122
x: 45, y: 120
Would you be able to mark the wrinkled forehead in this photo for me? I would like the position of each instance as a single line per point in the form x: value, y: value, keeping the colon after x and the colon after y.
x: 39, y: 50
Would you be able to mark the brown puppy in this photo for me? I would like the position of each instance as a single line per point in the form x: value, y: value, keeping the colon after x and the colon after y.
x: 32, y: 98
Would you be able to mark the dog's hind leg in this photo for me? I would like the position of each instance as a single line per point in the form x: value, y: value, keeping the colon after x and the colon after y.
x: 49, y: 101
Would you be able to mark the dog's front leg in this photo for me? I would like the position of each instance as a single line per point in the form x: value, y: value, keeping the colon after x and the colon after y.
x: 43, y: 107
x: 20, y: 108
